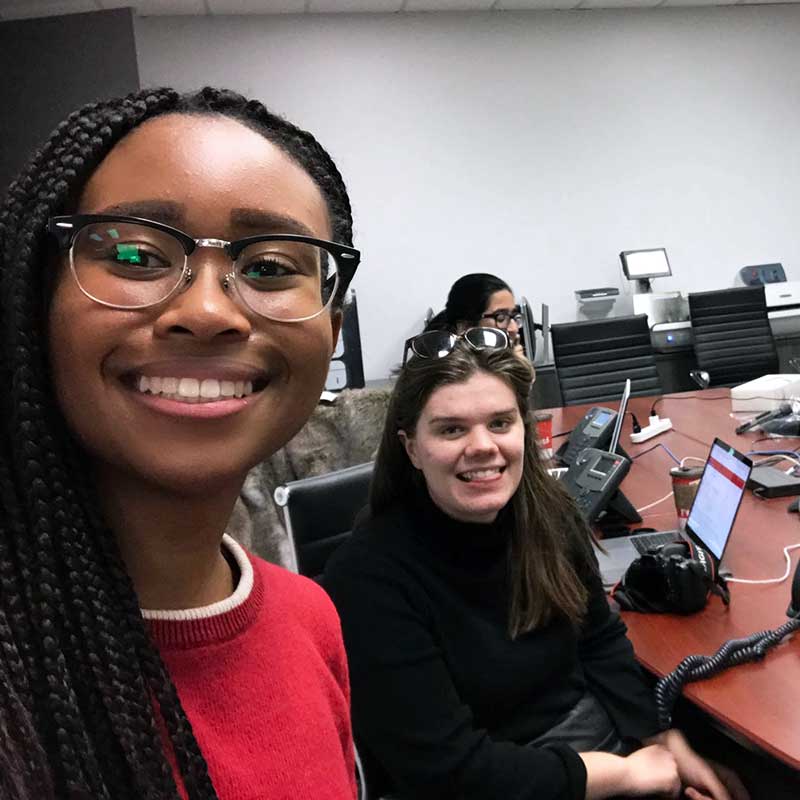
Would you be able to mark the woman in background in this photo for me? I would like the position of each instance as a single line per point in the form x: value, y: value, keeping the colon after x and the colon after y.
x: 172, y: 268
x: 481, y: 299
x: 485, y: 661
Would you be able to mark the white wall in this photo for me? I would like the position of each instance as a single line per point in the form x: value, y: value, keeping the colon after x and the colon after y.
x: 533, y: 145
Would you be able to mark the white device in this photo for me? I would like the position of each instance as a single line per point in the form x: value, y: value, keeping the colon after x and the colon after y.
x: 641, y: 265
x: 765, y: 393
x: 645, y: 263
x: 657, y: 425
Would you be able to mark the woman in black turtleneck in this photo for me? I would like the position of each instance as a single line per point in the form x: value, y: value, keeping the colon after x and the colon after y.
x: 485, y: 661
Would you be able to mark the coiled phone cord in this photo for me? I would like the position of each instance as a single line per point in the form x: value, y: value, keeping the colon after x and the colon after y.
x: 695, y: 668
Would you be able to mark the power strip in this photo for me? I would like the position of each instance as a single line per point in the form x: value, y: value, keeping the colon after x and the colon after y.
x: 655, y: 427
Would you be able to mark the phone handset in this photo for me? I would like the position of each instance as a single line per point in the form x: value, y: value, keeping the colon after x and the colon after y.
x: 593, y: 479
x: 594, y: 430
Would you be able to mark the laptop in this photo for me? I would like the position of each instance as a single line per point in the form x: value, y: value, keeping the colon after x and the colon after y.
x: 623, y: 410
x: 711, y: 516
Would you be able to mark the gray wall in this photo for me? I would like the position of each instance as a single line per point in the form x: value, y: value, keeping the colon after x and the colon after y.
x: 52, y: 66
x: 534, y: 145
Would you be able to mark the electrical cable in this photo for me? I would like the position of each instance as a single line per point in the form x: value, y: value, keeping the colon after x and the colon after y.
x: 698, y: 397
x: 691, y: 458
x: 650, y: 505
x: 776, y: 459
x: 563, y: 433
x: 775, y: 456
x: 785, y: 575
x: 776, y: 437
x: 695, y: 397
x: 650, y: 450
x: 697, y: 667
x: 645, y: 452
x: 670, y: 453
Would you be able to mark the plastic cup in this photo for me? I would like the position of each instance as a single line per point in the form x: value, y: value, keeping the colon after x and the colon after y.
x: 685, y: 481
x: 544, y: 434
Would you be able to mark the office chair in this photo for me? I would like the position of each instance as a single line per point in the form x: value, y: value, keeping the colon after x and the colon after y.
x: 319, y: 513
x: 732, y: 338
x: 593, y: 358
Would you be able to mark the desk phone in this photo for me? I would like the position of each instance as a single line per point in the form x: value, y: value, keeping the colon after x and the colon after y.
x: 593, y: 479
x: 594, y: 430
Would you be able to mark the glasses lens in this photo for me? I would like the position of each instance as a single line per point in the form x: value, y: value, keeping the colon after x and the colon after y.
x: 126, y: 264
x: 486, y: 338
x: 286, y: 280
x: 503, y: 318
x: 434, y: 344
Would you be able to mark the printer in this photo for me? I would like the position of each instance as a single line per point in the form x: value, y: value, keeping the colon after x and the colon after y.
x: 783, y: 308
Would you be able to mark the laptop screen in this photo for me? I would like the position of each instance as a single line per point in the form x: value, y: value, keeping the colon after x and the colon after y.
x: 623, y: 407
x: 718, y: 497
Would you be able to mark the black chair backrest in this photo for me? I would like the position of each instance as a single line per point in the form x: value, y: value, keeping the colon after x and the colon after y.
x: 732, y: 338
x: 319, y: 513
x: 593, y: 359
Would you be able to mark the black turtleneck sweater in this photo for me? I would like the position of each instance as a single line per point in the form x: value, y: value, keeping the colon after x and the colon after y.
x: 442, y: 697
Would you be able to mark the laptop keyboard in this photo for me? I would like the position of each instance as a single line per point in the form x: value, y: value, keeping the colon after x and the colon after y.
x: 646, y: 541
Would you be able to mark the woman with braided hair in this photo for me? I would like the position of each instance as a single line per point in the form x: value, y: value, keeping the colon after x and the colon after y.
x: 171, y: 274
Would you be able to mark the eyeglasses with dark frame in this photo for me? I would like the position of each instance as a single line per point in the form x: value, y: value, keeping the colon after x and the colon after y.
x: 503, y: 316
x: 132, y: 263
x: 439, y: 344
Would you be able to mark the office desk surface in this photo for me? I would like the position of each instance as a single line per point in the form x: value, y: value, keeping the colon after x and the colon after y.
x: 760, y: 701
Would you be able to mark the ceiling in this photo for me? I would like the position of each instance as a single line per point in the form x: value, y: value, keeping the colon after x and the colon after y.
x: 26, y: 9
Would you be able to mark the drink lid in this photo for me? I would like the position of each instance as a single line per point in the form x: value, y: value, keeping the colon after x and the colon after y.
x: 687, y: 473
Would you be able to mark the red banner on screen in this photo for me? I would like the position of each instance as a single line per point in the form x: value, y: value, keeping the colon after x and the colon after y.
x: 728, y: 473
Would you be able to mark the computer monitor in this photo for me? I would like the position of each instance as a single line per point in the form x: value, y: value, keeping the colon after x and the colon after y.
x: 529, y: 328
x: 641, y: 265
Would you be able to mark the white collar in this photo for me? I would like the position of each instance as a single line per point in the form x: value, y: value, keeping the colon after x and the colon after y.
x: 240, y: 594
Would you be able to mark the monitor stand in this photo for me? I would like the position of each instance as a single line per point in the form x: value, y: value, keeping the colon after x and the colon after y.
x: 643, y: 286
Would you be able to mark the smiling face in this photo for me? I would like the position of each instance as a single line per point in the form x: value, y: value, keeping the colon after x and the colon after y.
x: 469, y: 444
x: 198, y: 389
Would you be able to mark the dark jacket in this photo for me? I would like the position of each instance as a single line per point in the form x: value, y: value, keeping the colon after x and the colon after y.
x: 442, y: 697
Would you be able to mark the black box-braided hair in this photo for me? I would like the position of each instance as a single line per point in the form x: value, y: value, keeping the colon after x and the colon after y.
x: 84, y: 695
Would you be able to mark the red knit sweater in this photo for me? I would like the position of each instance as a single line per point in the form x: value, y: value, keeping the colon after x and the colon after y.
x: 263, y: 679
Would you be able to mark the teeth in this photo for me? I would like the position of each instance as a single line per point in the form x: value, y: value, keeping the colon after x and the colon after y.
x: 193, y: 390
x: 189, y: 387
x: 209, y: 389
x: 478, y: 474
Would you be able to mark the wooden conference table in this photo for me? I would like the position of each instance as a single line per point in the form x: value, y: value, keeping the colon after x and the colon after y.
x: 759, y: 701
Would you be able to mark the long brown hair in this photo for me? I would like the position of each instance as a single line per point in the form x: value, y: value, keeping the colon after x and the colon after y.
x: 550, y: 542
